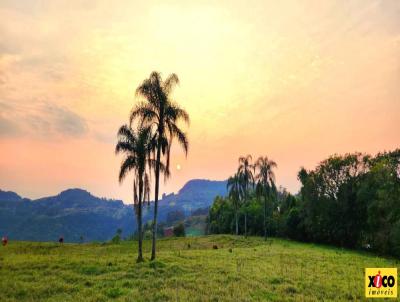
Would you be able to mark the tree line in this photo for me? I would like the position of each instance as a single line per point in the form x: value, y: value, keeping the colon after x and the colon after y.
x: 146, y: 143
x: 350, y: 200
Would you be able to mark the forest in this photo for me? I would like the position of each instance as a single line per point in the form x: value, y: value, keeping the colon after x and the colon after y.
x: 350, y: 201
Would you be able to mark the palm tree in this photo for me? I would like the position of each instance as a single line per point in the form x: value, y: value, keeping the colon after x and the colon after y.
x: 137, y: 147
x: 234, y: 187
x: 247, y: 178
x: 265, y: 183
x: 161, y: 114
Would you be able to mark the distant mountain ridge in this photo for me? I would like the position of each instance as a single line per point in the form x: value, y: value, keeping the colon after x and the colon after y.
x: 76, y: 213
x: 9, y: 195
x: 196, y: 193
x: 204, y: 186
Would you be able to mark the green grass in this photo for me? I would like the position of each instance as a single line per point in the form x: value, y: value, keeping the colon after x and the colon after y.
x: 193, y: 232
x: 239, y: 270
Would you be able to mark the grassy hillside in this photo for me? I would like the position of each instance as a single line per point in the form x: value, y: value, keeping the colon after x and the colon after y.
x: 239, y: 270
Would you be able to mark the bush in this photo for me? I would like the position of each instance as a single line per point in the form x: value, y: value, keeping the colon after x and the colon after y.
x: 394, y: 239
x: 116, y: 239
x: 179, y: 230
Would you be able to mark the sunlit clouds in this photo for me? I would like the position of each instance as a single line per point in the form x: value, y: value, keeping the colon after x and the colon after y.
x: 296, y: 81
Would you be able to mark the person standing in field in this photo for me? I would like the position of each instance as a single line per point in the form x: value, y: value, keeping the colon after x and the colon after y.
x: 61, y: 239
x: 4, y: 240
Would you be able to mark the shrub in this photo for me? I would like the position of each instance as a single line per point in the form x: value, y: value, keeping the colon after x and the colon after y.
x: 179, y: 230
x: 116, y: 239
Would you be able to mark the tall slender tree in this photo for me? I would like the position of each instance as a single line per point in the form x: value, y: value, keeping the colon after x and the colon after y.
x: 162, y: 115
x: 234, y: 187
x: 137, y: 147
x: 245, y: 171
x: 265, y: 183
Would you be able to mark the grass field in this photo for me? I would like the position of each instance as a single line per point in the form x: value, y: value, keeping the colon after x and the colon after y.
x: 239, y: 270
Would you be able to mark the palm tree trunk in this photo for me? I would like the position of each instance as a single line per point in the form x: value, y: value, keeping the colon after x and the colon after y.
x: 140, y: 247
x: 157, y: 174
x: 265, y: 218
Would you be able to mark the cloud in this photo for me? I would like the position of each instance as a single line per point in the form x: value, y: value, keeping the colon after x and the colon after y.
x: 41, y: 120
x: 8, y: 128
x: 61, y: 120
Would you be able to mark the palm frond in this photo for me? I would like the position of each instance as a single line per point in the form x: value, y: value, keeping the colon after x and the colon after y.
x: 177, y: 133
x: 145, y: 113
x: 125, y: 132
x: 176, y: 113
x: 168, y: 158
x: 151, y: 89
x: 123, y: 146
x: 127, y: 165
x: 155, y: 78
x: 145, y: 89
x: 170, y: 83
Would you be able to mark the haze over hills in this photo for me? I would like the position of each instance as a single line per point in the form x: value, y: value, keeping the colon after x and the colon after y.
x: 195, y: 194
x: 75, y: 212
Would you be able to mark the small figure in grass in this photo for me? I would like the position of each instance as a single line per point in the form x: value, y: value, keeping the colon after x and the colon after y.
x: 61, y: 239
x: 4, y: 240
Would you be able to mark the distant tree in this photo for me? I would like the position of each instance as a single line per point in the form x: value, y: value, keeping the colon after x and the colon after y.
x: 235, y: 192
x: 116, y: 239
x: 380, y: 191
x: 220, y: 216
x: 179, y: 230
x: 333, y: 213
x: 161, y: 114
x: 350, y: 200
x: 245, y: 171
x: 265, y: 183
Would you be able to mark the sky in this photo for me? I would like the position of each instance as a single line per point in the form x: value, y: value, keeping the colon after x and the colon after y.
x: 294, y: 80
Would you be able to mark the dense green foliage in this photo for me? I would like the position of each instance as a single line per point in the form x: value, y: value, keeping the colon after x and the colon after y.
x: 187, y: 269
x: 179, y: 230
x: 350, y: 201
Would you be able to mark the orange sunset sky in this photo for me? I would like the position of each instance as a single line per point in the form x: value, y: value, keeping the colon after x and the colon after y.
x: 294, y: 80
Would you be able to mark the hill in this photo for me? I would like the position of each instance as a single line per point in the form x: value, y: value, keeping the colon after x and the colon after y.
x: 10, y: 196
x: 195, y: 194
x: 72, y: 213
x: 76, y: 213
x: 239, y: 270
